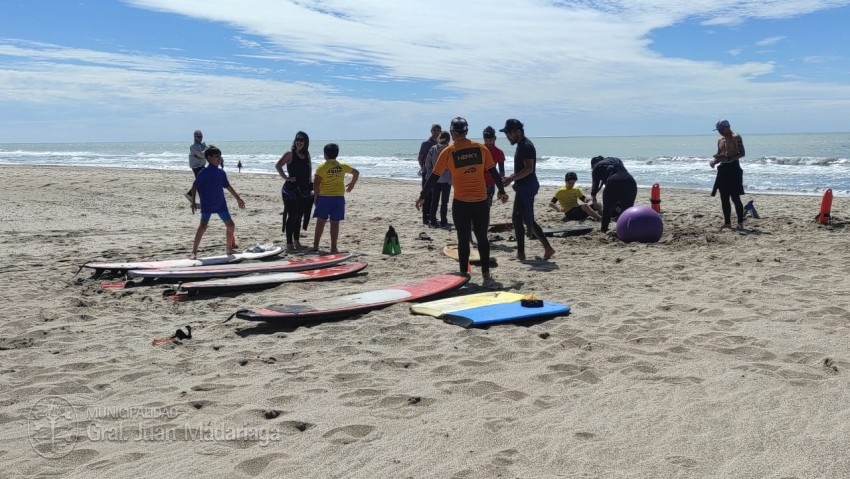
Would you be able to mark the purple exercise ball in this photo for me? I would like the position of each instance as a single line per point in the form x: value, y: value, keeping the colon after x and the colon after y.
x: 641, y: 224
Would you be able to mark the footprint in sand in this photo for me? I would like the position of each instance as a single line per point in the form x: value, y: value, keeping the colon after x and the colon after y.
x: 496, y: 425
x: 116, y: 460
x: 350, y: 434
x: 255, y: 466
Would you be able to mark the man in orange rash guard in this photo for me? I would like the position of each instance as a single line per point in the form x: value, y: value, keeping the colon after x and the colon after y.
x: 468, y: 162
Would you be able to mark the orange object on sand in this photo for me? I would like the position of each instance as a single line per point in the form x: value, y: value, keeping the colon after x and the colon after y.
x: 655, y: 198
x: 825, y: 207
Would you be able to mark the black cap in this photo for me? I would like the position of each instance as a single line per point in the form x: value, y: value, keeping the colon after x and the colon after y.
x: 511, y: 125
x: 459, y: 125
x: 489, y: 131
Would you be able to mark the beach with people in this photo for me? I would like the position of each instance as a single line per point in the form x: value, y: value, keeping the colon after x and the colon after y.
x: 707, y: 354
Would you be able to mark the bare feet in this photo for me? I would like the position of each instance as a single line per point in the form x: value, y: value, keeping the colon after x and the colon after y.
x: 725, y: 226
x: 549, y: 253
x: 193, y: 255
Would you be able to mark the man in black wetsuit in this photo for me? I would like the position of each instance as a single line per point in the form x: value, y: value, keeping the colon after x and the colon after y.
x: 526, y: 187
x: 620, y: 187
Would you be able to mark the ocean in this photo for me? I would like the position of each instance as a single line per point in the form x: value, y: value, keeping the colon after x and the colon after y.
x: 798, y: 164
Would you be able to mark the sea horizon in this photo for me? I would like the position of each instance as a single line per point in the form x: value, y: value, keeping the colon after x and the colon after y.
x: 797, y: 164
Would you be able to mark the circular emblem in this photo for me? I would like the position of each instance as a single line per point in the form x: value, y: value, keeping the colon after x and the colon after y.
x: 52, y: 427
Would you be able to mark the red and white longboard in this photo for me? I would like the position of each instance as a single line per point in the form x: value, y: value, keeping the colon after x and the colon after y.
x: 241, y: 269
x: 271, y: 279
x: 353, y: 304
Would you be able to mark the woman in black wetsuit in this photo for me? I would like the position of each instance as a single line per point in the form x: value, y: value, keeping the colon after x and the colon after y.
x: 297, y: 188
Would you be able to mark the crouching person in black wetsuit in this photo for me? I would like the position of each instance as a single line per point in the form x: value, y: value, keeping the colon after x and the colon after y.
x: 468, y: 162
x: 620, y: 187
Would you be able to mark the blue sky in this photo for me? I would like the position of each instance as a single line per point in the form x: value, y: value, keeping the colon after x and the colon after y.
x: 150, y: 70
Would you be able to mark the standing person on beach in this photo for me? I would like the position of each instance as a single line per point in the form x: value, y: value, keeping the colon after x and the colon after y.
x: 197, y: 162
x: 296, y: 188
x: 468, y: 162
x: 210, y: 185
x: 620, y: 187
x: 498, y: 158
x: 526, y: 187
x: 442, y: 190
x: 330, y: 188
x: 239, y: 166
x: 730, y: 177
x: 424, y: 148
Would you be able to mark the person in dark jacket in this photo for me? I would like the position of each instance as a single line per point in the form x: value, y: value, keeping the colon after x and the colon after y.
x: 620, y: 187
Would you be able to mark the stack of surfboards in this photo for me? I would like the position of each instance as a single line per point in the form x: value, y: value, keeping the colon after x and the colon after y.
x: 228, y: 273
x: 487, y: 308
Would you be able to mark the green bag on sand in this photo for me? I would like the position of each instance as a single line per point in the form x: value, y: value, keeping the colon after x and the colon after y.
x: 391, y: 245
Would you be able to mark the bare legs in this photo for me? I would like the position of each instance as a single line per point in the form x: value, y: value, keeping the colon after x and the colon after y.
x: 229, y: 234
x: 320, y: 228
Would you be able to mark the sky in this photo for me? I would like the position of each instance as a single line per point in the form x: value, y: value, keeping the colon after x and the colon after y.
x: 156, y: 70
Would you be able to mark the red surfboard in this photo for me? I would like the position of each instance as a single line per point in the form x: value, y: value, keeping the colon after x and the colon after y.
x: 256, y: 281
x: 241, y: 269
x: 353, y: 304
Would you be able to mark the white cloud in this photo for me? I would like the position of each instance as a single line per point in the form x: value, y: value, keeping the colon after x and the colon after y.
x: 578, y: 67
x: 769, y: 41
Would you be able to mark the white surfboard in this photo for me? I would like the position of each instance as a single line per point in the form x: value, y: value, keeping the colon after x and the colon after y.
x: 256, y: 252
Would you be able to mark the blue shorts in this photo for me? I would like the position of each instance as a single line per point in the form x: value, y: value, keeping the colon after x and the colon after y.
x: 224, y: 215
x: 330, y: 207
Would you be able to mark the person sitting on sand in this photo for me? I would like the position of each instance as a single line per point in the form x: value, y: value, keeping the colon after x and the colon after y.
x: 329, y: 189
x: 210, y: 185
x: 571, y: 201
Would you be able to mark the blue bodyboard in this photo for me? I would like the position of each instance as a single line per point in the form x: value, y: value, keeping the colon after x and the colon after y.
x: 504, y: 313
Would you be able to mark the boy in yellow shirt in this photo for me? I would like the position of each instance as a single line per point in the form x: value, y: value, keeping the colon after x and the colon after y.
x: 329, y: 189
x: 572, y: 201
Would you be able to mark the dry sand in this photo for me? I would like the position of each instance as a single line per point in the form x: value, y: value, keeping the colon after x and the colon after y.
x: 705, y: 355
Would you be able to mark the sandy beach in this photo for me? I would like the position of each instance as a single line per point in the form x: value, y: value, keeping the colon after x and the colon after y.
x: 706, y: 354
